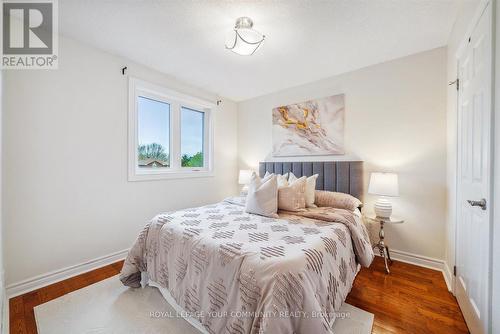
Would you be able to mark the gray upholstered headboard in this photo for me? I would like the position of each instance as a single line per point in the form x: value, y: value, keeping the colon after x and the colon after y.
x: 341, y: 176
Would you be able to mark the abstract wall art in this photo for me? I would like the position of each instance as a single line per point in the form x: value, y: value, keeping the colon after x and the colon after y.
x: 314, y: 127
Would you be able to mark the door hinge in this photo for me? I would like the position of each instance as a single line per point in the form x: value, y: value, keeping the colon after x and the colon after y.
x: 457, y: 81
x: 454, y: 270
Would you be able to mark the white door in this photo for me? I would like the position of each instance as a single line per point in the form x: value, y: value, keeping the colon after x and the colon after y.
x: 474, y: 174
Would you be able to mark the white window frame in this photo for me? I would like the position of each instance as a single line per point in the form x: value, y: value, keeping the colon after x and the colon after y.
x: 176, y: 101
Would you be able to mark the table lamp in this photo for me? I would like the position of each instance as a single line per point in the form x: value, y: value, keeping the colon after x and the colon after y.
x: 385, y: 185
x: 244, y: 179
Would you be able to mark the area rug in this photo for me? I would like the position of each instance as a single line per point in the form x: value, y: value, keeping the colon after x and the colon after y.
x: 110, y: 307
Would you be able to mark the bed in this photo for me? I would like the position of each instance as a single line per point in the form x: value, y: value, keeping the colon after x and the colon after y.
x: 226, y: 270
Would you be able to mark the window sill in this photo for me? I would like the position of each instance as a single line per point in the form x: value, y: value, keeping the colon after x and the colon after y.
x: 170, y: 175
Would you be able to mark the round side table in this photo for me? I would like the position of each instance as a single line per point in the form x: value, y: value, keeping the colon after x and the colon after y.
x: 382, y: 247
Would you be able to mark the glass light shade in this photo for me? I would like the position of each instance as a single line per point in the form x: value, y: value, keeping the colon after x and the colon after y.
x: 384, y: 184
x: 244, y: 41
x: 245, y: 176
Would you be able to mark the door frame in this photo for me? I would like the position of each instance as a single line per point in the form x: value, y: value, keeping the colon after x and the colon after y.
x: 495, y: 251
x: 494, y: 171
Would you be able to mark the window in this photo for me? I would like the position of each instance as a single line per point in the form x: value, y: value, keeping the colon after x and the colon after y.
x: 153, y: 133
x: 192, y: 123
x: 170, y: 134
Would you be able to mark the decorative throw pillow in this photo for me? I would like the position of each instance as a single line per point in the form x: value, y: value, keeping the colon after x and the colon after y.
x: 282, y: 179
x: 293, y: 196
x: 337, y: 200
x: 310, y: 188
x: 262, y: 197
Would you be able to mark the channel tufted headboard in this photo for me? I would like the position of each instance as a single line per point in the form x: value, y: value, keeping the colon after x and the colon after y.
x: 340, y: 176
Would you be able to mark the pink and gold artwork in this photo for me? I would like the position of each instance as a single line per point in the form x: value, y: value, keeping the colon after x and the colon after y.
x: 314, y: 127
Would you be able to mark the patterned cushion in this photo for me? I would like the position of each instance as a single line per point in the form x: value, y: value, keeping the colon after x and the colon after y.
x: 336, y: 200
x: 262, y: 197
x: 293, y: 196
x: 310, y: 188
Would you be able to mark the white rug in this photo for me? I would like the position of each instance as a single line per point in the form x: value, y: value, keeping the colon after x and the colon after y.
x: 110, y: 307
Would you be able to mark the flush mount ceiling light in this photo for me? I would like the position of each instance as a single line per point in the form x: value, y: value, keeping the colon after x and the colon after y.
x: 244, y: 40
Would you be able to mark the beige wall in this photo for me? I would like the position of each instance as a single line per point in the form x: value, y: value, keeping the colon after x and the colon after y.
x: 66, y: 195
x: 395, y: 121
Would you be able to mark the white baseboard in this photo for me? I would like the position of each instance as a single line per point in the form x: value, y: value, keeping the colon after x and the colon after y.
x: 5, y: 315
x: 19, y: 288
x: 4, y: 323
x: 423, y: 261
x: 16, y: 289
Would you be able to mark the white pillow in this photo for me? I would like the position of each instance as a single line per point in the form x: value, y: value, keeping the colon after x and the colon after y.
x: 293, y: 197
x: 282, y: 179
x: 310, y: 189
x: 262, y: 198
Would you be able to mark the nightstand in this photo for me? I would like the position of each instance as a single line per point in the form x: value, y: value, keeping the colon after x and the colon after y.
x: 382, y: 247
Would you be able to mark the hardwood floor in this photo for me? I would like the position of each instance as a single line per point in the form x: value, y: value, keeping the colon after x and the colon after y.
x: 410, y: 300
x: 21, y: 316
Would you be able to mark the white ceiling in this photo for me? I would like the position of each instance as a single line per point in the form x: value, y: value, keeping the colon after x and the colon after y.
x: 305, y: 40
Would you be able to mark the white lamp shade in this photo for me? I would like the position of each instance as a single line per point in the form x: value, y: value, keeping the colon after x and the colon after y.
x: 245, y: 176
x: 244, y: 41
x: 384, y: 184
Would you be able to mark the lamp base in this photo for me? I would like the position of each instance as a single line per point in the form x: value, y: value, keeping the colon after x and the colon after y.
x: 244, y: 190
x: 383, y: 208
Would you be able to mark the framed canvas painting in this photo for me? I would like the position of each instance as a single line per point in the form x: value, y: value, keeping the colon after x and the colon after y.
x: 314, y: 127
